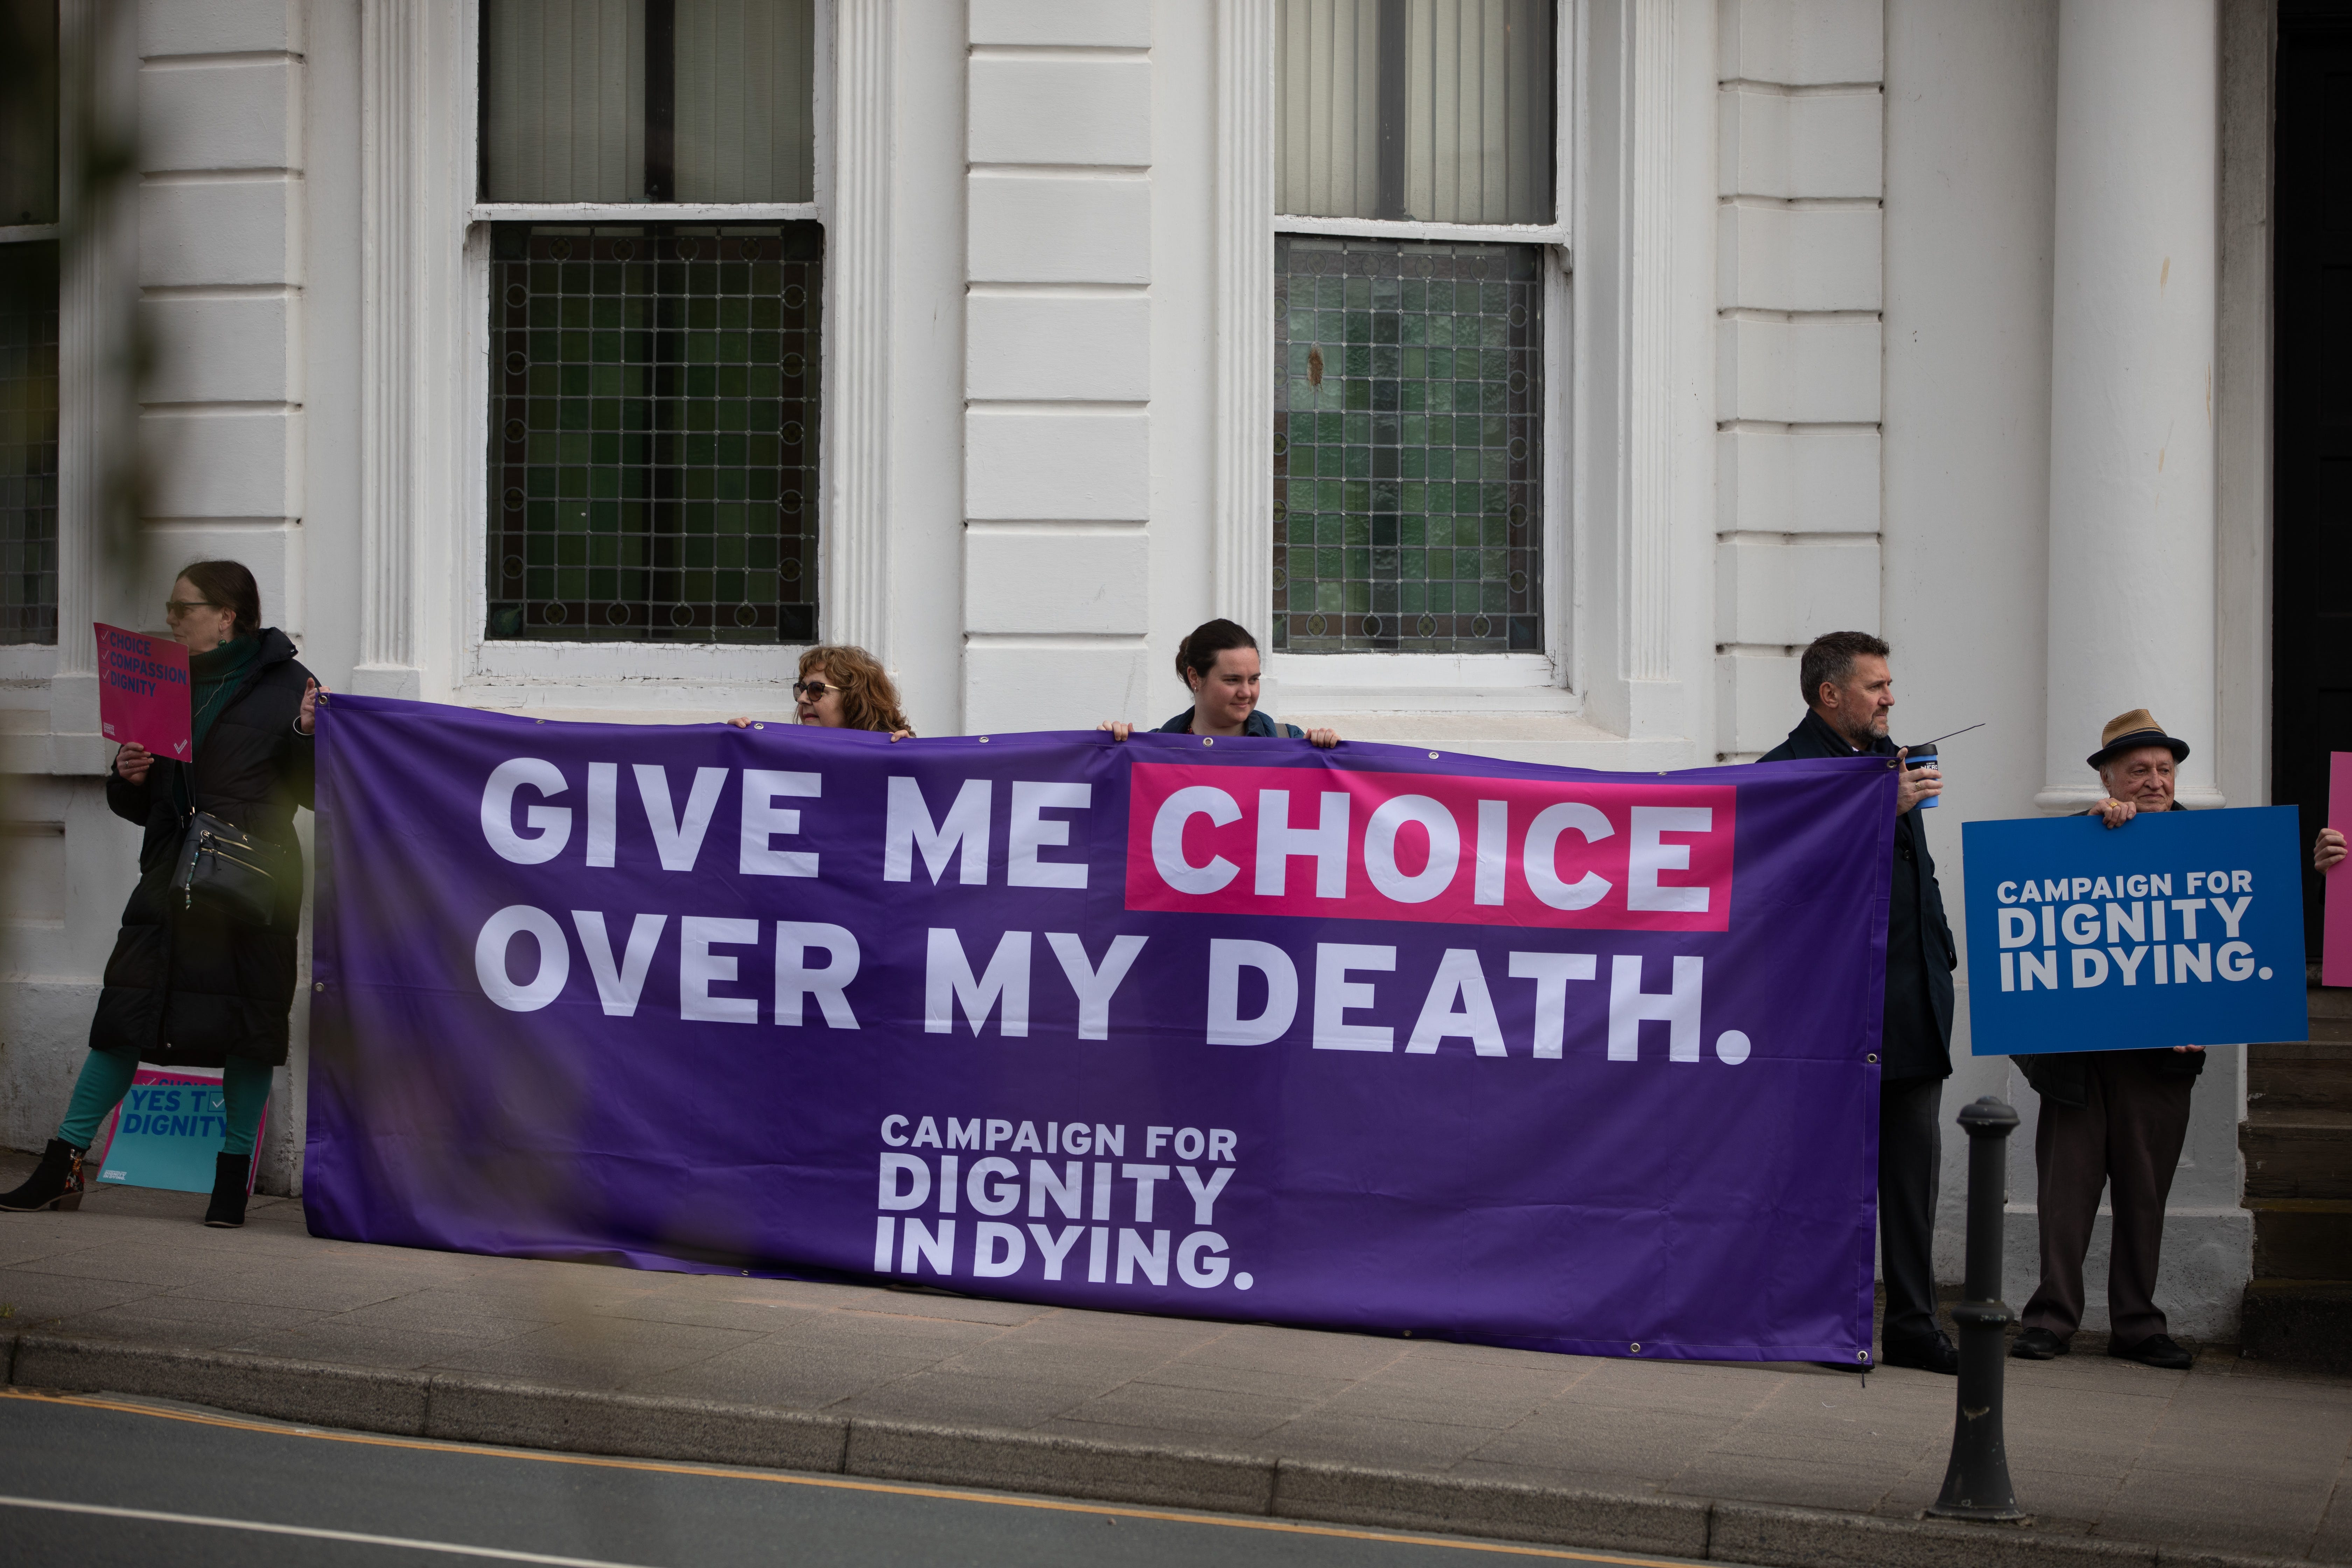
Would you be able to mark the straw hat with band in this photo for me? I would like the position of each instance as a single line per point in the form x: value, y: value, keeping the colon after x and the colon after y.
x: 2130, y: 731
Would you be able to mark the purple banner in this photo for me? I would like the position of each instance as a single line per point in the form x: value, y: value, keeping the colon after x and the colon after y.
x: 1373, y: 1038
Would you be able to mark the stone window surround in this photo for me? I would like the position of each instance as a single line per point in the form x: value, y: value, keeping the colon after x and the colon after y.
x: 426, y: 382
x: 1618, y: 667
x: 1324, y: 681
x: 1620, y: 683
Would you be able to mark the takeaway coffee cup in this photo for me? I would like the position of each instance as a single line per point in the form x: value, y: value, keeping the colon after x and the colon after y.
x: 1924, y: 756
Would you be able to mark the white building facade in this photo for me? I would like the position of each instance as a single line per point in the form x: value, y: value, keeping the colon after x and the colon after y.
x: 1535, y: 379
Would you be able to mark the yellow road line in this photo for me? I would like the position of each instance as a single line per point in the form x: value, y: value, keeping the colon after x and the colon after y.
x: 1224, y: 1521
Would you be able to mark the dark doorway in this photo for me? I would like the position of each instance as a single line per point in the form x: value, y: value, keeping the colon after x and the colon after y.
x: 2311, y: 620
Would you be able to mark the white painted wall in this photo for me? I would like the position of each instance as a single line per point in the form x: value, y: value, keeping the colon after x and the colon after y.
x: 1802, y: 362
x: 1972, y: 128
x: 1799, y: 270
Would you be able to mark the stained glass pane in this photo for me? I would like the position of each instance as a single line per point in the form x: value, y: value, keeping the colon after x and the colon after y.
x: 1408, y: 446
x: 28, y: 443
x: 653, y: 433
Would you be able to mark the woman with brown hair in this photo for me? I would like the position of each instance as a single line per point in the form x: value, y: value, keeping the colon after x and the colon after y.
x: 192, y: 983
x: 845, y: 688
x: 1218, y: 660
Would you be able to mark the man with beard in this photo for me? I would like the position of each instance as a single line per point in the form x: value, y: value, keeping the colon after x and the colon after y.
x: 1848, y: 693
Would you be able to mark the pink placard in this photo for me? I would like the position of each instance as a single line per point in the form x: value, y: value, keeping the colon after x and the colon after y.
x: 2335, y: 927
x: 142, y: 691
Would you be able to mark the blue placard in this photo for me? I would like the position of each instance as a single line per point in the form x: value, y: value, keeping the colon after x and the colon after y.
x: 166, y: 1133
x: 2179, y: 929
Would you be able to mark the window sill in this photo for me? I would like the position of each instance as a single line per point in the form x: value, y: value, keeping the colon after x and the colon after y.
x: 723, y: 664
x: 1556, y: 738
x: 1446, y: 678
x: 622, y: 212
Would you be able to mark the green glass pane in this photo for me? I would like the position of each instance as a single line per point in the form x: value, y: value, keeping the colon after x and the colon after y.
x: 677, y: 367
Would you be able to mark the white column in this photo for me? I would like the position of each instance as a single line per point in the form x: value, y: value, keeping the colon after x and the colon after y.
x: 2131, y: 408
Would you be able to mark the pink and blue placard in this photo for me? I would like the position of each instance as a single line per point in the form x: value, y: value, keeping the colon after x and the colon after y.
x: 142, y: 691
x: 2336, y: 921
x: 166, y: 1132
x: 2177, y: 929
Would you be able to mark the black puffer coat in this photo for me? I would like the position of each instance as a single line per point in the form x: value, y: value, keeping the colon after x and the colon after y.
x: 190, y: 988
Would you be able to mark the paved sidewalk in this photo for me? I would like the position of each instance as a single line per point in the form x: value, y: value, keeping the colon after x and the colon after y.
x: 2121, y: 1463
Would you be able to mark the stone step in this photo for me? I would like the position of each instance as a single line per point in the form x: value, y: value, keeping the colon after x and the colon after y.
x: 2299, y: 1075
x: 2305, y: 1154
x: 2307, y: 1321
x: 2301, y: 1238
x: 2329, y: 1030
x: 2330, y: 1011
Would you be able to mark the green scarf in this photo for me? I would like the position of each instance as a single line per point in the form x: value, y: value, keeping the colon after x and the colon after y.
x: 213, y: 676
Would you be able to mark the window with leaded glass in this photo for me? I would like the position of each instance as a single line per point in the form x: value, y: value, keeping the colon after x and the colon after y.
x: 1416, y: 176
x: 654, y: 443
x: 28, y: 442
x: 28, y: 321
x: 654, y: 401
x: 1408, y: 448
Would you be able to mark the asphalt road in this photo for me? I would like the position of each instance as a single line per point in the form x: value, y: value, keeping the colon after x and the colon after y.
x: 92, y: 1480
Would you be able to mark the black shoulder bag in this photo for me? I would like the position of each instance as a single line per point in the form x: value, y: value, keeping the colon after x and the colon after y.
x: 223, y: 868
x: 226, y: 871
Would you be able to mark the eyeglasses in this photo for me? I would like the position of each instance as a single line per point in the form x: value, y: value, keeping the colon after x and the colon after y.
x: 814, y: 690
x: 174, y: 608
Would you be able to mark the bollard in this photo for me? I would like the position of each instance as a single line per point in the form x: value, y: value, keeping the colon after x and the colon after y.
x: 1977, y: 1486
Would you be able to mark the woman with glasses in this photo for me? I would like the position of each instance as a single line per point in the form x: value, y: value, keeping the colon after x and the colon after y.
x: 1218, y: 660
x: 192, y: 984
x: 845, y: 688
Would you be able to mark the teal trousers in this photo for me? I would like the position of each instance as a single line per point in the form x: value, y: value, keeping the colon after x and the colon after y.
x: 105, y: 1078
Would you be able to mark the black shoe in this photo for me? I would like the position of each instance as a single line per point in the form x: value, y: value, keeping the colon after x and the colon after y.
x: 55, y: 1184
x: 226, y: 1211
x: 2156, y: 1350
x: 1926, y: 1353
x: 2038, y: 1344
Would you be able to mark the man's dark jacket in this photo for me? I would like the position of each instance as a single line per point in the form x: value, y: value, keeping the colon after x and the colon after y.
x: 1916, y: 1040
x: 2064, y: 1075
x: 189, y: 988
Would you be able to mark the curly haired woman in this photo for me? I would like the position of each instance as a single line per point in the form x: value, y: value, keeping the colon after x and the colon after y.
x: 845, y: 688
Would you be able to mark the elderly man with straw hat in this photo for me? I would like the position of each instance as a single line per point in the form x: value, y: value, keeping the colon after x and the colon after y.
x: 2111, y: 1119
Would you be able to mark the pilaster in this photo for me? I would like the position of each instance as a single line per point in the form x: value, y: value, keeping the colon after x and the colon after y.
x: 1643, y: 363
x: 855, y: 592
x: 1243, y: 518
x: 406, y: 293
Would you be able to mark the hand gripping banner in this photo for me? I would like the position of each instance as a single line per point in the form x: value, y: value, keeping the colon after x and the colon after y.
x: 1373, y: 1038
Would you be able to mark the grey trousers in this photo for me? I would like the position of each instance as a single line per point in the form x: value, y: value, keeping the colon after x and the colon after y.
x: 2127, y: 1139
x: 1910, y: 1160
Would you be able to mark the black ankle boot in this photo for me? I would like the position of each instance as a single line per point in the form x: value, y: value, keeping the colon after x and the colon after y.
x: 227, y: 1208
x: 56, y: 1182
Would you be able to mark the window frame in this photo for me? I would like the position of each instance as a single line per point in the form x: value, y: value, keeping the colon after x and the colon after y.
x: 1326, y: 675
x: 42, y: 661
x: 544, y: 662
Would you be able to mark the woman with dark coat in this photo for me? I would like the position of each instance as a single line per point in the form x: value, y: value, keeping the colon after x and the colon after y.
x: 193, y: 986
